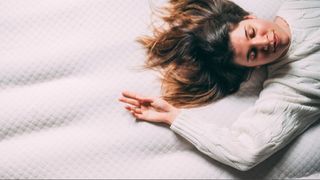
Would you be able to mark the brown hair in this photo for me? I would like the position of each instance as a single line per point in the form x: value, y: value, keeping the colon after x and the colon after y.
x: 194, y: 52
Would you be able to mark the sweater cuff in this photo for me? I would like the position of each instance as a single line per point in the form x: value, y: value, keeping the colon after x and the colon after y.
x: 187, y: 128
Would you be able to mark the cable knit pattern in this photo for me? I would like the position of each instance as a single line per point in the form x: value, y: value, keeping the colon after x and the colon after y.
x: 287, y: 106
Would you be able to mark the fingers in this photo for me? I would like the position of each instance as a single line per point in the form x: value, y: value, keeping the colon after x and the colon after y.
x: 137, y: 113
x: 134, y: 109
x: 135, y: 96
x: 138, y: 116
x: 139, y: 101
x: 149, y: 115
x: 129, y: 101
x: 145, y: 115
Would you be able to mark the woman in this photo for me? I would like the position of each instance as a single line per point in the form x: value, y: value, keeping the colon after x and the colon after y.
x: 208, y: 48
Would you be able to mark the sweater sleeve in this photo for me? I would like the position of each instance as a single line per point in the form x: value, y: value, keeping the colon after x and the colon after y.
x: 277, y: 117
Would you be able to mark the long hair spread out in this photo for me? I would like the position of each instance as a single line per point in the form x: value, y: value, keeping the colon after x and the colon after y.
x: 193, y: 51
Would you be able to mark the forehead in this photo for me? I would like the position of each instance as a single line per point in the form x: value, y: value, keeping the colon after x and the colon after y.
x: 238, y: 43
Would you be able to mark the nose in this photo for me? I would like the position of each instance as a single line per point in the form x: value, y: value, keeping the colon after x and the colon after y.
x: 260, y: 42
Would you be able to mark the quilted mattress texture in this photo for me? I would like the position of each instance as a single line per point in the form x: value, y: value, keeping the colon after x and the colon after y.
x: 63, y: 65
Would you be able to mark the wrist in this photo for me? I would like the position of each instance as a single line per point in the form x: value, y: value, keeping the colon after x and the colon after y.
x: 173, y: 115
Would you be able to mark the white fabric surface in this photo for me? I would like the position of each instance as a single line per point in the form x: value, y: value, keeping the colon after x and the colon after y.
x: 63, y: 65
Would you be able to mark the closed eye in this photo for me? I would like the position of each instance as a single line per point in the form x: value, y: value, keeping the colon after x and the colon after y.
x: 252, y: 54
x: 252, y: 32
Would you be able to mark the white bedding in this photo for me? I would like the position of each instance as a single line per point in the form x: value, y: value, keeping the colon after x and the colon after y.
x: 63, y: 64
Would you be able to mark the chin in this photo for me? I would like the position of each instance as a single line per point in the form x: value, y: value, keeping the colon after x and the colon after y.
x: 282, y: 53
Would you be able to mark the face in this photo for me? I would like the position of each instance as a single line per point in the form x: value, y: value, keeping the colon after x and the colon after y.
x: 257, y: 42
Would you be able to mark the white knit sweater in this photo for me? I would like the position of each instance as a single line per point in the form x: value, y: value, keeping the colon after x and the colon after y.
x: 288, y: 104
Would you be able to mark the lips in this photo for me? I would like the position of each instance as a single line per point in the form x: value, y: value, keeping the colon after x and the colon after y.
x: 276, y: 41
x: 272, y: 45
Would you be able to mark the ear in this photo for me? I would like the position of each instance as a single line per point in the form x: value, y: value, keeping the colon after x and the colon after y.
x: 250, y: 16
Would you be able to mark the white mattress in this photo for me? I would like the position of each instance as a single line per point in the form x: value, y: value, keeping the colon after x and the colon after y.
x: 63, y: 65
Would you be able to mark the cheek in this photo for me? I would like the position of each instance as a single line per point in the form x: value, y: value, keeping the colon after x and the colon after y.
x: 264, y: 26
x: 266, y: 58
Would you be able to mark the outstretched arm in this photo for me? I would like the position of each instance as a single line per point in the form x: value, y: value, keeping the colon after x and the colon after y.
x: 257, y: 134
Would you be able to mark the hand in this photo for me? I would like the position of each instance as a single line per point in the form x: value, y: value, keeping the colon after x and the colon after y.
x: 149, y: 108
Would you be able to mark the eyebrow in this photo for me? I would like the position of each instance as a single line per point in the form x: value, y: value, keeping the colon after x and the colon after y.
x: 246, y: 34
